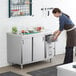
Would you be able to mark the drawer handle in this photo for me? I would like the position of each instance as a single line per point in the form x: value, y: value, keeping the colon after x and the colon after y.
x: 50, y: 47
x: 50, y: 54
x: 43, y: 38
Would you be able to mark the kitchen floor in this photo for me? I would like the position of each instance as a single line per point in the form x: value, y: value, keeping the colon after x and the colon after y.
x: 35, y: 66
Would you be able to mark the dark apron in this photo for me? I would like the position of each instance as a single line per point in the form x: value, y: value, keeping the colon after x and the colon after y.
x: 71, y: 36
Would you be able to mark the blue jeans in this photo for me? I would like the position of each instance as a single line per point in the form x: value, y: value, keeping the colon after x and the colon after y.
x: 68, y: 55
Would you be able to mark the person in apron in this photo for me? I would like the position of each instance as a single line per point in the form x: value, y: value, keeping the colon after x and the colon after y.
x: 66, y: 24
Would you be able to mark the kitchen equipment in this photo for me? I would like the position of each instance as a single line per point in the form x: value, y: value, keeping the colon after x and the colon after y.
x: 46, y: 11
x: 50, y: 46
x: 49, y: 38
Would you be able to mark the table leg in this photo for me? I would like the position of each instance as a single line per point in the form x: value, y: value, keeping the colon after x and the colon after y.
x: 21, y: 66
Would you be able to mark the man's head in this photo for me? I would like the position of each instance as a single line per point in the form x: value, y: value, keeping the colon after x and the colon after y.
x: 56, y: 12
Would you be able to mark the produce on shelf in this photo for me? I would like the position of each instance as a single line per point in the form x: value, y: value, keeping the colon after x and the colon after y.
x: 14, y: 30
x: 39, y: 29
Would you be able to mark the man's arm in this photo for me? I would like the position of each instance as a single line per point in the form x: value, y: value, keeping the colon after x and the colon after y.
x: 56, y: 34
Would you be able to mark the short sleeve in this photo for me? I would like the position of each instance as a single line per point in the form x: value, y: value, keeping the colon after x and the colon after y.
x: 61, y: 23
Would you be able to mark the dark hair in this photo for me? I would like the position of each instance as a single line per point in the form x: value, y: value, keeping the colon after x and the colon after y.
x: 66, y: 15
x: 56, y: 10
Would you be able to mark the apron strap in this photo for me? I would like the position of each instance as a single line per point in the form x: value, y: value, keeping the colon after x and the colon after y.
x: 71, y: 28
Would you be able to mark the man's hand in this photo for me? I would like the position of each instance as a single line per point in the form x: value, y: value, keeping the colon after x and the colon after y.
x: 56, y: 34
x: 55, y: 38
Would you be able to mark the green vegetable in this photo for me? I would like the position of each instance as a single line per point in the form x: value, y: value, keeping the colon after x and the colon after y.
x: 14, y: 30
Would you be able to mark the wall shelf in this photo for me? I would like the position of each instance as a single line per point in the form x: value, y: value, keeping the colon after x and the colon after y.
x: 20, y: 8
